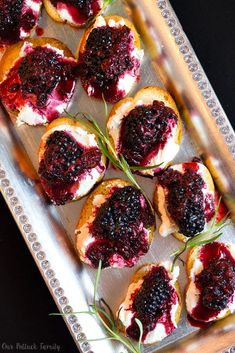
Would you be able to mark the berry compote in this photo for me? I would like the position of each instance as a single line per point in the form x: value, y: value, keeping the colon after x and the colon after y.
x: 64, y: 163
x: 146, y: 130
x: 43, y: 79
x: 120, y: 228
x: 80, y: 11
x: 152, y: 303
x: 17, y: 19
x: 108, y: 56
x: 216, y: 282
x: 185, y: 199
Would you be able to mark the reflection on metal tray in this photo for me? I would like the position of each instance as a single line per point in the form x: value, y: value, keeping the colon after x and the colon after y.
x: 49, y: 231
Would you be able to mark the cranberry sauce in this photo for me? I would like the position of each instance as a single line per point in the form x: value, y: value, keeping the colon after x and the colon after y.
x: 14, y: 16
x: 79, y: 10
x: 185, y: 200
x: 34, y: 78
x: 63, y: 164
x: 107, y: 57
x: 146, y: 130
x: 152, y: 303
x: 216, y: 281
x: 119, y: 229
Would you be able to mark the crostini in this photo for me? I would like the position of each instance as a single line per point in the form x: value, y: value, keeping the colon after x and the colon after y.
x: 116, y: 225
x: 37, y: 80
x: 146, y: 129
x: 153, y: 297
x: 109, y: 57
x: 70, y: 161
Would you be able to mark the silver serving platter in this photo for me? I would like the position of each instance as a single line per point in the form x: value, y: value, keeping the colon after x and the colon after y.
x: 49, y: 230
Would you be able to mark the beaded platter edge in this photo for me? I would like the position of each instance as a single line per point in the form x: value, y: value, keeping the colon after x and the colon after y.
x: 40, y: 258
x: 198, y: 74
x: 21, y: 218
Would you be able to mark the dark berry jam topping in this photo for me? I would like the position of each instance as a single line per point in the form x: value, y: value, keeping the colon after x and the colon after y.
x: 33, y: 79
x: 64, y: 161
x: 152, y: 303
x: 146, y: 130
x: 79, y: 10
x: 216, y: 281
x: 185, y: 200
x: 106, y: 58
x: 118, y: 228
x: 13, y: 17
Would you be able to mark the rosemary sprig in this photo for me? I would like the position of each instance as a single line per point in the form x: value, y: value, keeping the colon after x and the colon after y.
x: 104, y: 315
x: 107, y: 148
x: 208, y: 236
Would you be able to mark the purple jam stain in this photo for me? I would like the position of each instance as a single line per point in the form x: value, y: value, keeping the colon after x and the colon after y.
x: 117, y: 228
x: 146, y: 130
x: 39, y: 31
x: 106, y: 58
x: 34, y: 77
x: 64, y: 162
x: 152, y: 303
x: 216, y: 281
x: 185, y: 198
x: 79, y: 10
x: 13, y: 18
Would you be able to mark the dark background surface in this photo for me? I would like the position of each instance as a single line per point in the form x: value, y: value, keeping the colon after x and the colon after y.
x: 24, y: 298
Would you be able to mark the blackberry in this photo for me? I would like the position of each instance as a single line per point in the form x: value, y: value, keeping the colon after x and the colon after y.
x: 118, y: 222
x: 217, y: 283
x: 40, y: 71
x: 145, y: 129
x: 106, y: 57
x: 64, y: 159
x: 185, y: 201
x: 154, y: 295
x: 101, y: 250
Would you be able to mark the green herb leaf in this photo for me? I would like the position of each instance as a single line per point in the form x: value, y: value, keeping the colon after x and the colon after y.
x: 212, y: 233
x: 102, y: 311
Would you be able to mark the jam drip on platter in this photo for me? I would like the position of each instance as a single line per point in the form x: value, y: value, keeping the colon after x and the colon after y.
x: 64, y: 163
x: 119, y: 229
x: 14, y: 17
x: 146, y: 130
x: 107, y: 57
x: 152, y: 303
x: 79, y: 10
x: 185, y: 199
x: 216, y: 282
x: 34, y: 79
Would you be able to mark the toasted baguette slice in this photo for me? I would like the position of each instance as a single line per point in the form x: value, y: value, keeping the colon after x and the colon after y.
x: 194, y: 266
x: 126, y: 314
x: 86, y: 139
x: 10, y: 59
x: 168, y: 225
x: 84, y: 235
x: 22, y: 25
x: 69, y: 14
x: 126, y: 79
x: 146, y: 96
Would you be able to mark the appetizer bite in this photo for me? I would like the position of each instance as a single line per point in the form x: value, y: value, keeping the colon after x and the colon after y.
x: 18, y: 18
x: 153, y: 297
x: 70, y: 161
x: 75, y: 13
x: 185, y: 200
x: 116, y: 225
x: 146, y: 129
x: 37, y: 80
x: 211, y: 290
x: 109, y: 58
